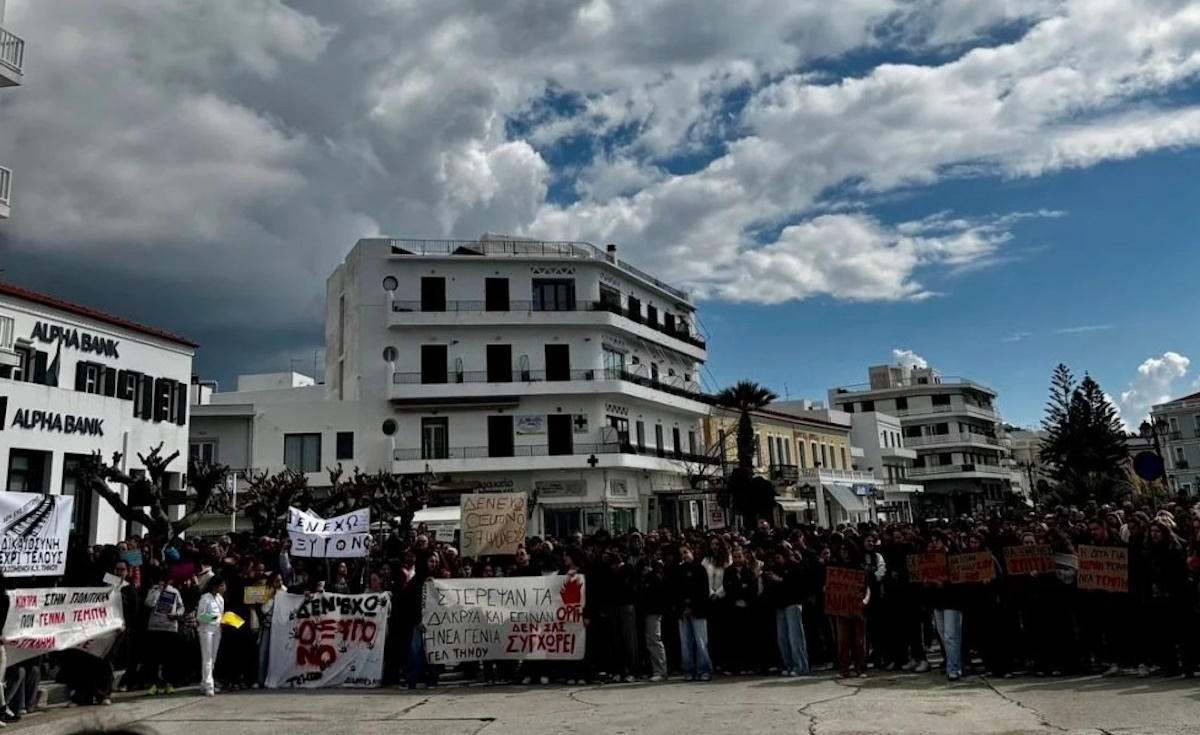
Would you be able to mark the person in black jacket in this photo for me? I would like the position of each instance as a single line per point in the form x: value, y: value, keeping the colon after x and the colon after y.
x: 650, y: 601
x: 622, y: 618
x: 783, y: 588
x: 741, y: 592
x: 689, y: 594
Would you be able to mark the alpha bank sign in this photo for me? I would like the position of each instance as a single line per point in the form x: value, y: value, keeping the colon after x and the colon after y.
x: 76, y: 339
x: 58, y: 423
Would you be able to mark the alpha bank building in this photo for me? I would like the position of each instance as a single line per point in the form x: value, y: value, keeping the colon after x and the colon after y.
x: 74, y: 381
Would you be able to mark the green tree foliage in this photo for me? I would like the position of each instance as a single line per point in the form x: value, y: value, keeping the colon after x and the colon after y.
x: 745, y: 397
x: 1085, y: 442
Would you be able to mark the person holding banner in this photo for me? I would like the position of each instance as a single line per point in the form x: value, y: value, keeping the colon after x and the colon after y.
x: 208, y: 620
x: 847, y: 603
x: 947, y: 613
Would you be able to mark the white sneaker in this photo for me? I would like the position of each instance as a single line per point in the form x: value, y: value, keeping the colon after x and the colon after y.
x: 544, y: 680
x: 1113, y: 670
x: 527, y: 681
x: 922, y: 667
x: 657, y: 679
x: 909, y: 666
x: 1143, y: 671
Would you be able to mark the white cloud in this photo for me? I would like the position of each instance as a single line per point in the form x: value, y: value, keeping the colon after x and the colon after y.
x: 1154, y: 383
x: 1085, y: 328
x: 909, y: 359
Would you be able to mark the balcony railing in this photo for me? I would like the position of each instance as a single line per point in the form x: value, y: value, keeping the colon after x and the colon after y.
x: 784, y: 472
x: 942, y: 380
x: 528, y: 248
x: 823, y: 474
x: 912, y: 442
x: 12, y: 51
x: 957, y: 469
x: 5, y: 186
x: 979, y: 411
x: 430, y: 454
x: 689, y: 390
x: 677, y: 330
x: 1181, y: 464
x: 8, y: 333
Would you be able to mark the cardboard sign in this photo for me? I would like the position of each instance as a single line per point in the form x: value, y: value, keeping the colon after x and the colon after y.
x: 844, y: 592
x: 255, y: 594
x: 975, y: 567
x: 1022, y: 561
x: 132, y: 557
x: 508, y: 619
x: 928, y: 568
x: 1104, y: 568
x: 492, y: 523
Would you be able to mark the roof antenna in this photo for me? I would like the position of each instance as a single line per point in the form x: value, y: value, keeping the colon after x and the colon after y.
x: 786, y: 395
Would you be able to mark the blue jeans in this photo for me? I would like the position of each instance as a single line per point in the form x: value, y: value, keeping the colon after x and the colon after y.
x: 264, y: 654
x: 693, y: 644
x: 949, y: 628
x: 789, y: 634
x: 416, y: 662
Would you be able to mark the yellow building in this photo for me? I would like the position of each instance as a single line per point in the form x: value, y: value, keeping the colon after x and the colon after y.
x: 801, y: 455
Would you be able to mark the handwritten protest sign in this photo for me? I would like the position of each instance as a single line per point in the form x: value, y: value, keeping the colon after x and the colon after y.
x: 972, y: 567
x: 328, y: 640
x: 1104, y: 568
x: 844, y: 592
x: 492, y: 523
x: 1021, y: 561
x: 44, y: 620
x: 33, y: 533
x: 928, y: 568
x: 342, y: 537
x: 255, y: 594
x: 510, y: 619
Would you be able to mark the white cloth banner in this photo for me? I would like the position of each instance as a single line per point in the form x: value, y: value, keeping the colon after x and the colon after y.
x: 511, y: 619
x: 33, y: 534
x: 323, y: 538
x: 44, y: 620
x: 328, y: 640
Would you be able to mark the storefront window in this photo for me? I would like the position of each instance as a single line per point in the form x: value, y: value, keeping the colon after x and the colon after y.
x: 593, y: 521
x: 81, y: 514
x: 560, y: 523
x: 622, y: 520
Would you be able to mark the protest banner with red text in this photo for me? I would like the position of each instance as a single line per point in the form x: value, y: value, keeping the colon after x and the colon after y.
x: 41, y: 621
x: 1022, y: 561
x: 972, y: 567
x: 928, y: 568
x: 511, y: 619
x: 844, y: 592
x: 328, y: 640
x: 1104, y: 568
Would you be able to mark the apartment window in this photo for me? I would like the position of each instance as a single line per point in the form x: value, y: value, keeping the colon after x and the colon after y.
x: 302, y: 452
x: 842, y: 451
x: 786, y: 446
x: 651, y: 315
x: 868, y: 406
x: 676, y: 444
x: 204, y: 453
x: 89, y: 377
x: 28, y: 471
x: 945, y: 459
x: 692, y: 443
x: 553, y: 295
x: 814, y: 456
x: 435, y: 438
x: 658, y: 440
x: 771, y: 450
x: 902, y: 403
x: 641, y: 435
x: 654, y: 371
x: 800, y: 454
x: 621, y: 424
x: 1179, y: 456
x: 757, y: 451
x: 143, y: 397
x: 941, y: 400
x: 24, y: 367
x: 345, y: 445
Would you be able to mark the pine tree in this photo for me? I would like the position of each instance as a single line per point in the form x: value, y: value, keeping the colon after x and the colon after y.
x: 1084, y: 443
x: 1057, y: 423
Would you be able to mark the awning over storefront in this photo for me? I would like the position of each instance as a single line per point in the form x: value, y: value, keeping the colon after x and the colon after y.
x: 442, y: 521
x: 845, y: 497
x: 792, y: 506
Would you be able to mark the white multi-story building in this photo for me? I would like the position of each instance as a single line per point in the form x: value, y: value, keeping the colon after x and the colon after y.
x: 553, y: 369
x: 1175, y: 428
x: 952, y: 424
x: 74, y: 381
x: 12, y: 58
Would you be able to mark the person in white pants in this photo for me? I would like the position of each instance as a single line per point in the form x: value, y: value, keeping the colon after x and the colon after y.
x: 208, y: 624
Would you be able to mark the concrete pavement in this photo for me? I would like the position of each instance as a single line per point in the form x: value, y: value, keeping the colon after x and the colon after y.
x: 900, y: 704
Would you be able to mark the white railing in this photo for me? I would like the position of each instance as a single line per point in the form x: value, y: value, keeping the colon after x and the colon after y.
x: 965, y: 408
x: 828, y: 475
x: 957, y: 437
x: 12, y: 51
x: 959, y: 469
x: 5, y: 185
x: 8, y: 333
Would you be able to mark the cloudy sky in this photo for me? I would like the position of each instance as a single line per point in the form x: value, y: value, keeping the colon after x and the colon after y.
x: 993, y: 186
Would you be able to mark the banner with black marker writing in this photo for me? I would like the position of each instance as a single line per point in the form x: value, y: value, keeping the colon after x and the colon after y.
x: 511, y: 619
x: 42, y: 621
x: 342, y: 537
x: 33, y: 534
x: 328, y: 640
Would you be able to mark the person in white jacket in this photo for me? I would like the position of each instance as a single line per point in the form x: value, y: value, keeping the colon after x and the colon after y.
x: 208, y: 624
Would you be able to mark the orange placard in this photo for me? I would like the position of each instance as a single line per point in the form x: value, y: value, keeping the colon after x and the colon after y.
x: 844, y: 592
x: 1104, y: 568
x: 928, y: 568
x: 972, y: 567
x: 1021, y: 561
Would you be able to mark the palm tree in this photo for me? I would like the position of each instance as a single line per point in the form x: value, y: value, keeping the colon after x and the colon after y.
x: 745, y: 397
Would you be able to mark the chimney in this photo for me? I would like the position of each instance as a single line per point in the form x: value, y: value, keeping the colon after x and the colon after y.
x: 612, y: 253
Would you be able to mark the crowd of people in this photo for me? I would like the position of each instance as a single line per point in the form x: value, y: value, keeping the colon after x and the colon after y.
x: 696, y: 603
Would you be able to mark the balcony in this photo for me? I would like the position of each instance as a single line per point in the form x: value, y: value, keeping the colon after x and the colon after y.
x: 1181, y: 464
x: 5, y: 192
x: 952, y: 439
x: 838, y: 476
x: 8, y: 334
x: 784, y: 472
x: 968, y: 409
x: 539, y: 456
x: 12, y: 59
x: 524, y: 313
x: 946, y: 471
x: 897, y: 453
x: 463, y: 386
x: 901, y: 488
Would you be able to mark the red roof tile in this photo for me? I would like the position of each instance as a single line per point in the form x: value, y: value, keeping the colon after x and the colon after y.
x: 1192, y: 397
x: 7, y: 289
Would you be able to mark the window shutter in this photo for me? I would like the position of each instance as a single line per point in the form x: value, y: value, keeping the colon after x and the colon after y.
x: 81, y: 376
x: 110, y: 382
x: 124, y: 388
x: 39, y: 367
x: 181, y: 403
x: 147, y: 386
